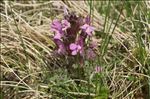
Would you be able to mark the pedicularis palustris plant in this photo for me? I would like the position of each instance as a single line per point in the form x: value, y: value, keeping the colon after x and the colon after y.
x: 73, y: 38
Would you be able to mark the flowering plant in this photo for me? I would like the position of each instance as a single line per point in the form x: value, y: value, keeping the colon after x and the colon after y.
x: 73, y: 38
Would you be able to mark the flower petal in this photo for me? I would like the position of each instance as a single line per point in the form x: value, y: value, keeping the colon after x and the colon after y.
x: 65, y: 24
x: 84, y: 27
x: 73, y: 46
x: 74, y: 52
x: 89, y: 30
x: 56, y: 25
x: 78, y: 47
x: 57, y: 36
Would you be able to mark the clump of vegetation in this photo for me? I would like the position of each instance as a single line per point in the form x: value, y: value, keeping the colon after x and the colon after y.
x: 75, y: 49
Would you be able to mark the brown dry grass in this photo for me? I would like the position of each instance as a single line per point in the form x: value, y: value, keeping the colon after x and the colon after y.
x: 26, y: 50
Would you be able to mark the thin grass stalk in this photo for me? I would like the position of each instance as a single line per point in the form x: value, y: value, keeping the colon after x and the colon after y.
x: 20, y: 36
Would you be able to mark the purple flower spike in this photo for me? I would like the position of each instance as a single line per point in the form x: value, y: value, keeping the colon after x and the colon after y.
x: 74, y: 48
x: 71, y: 35
x: 65, y: 25
x: 87, y: 29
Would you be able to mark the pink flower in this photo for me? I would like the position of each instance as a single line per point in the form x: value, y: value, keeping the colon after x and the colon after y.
x: 65, y: 25
x: 87, y: 29
x: 56, y: 25
x: 57, y: 35
x: 98, y: 69
x: 59, y: 28
x: 75, y: 48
